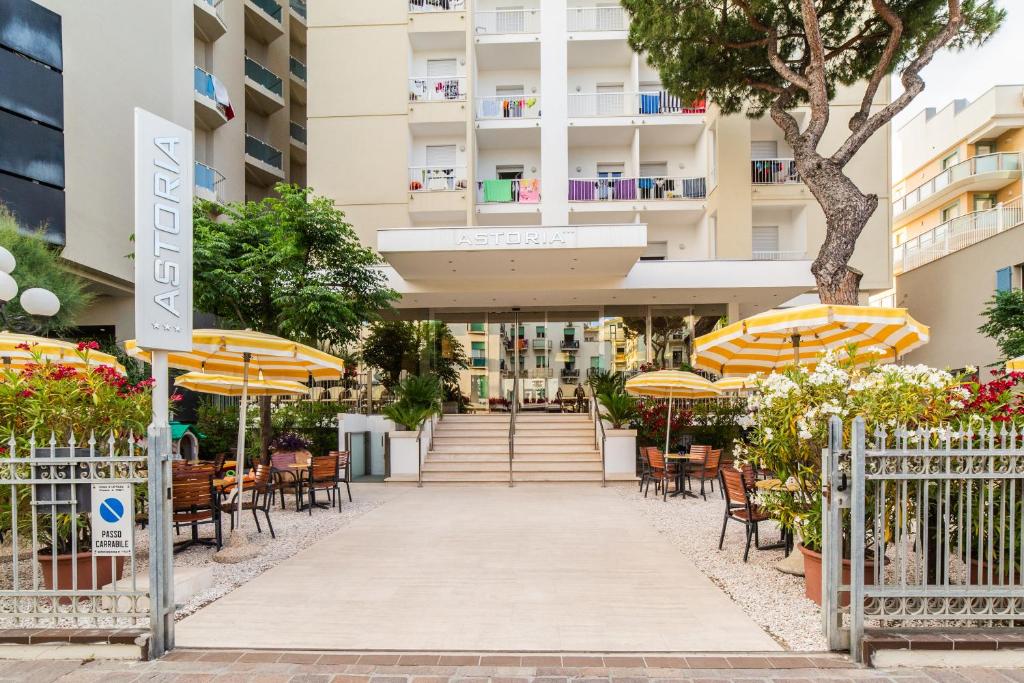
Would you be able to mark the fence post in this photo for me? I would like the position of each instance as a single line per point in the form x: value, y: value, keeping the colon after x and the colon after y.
x: 858, y: 446
x: 832, y: 537
x: 161, y: 553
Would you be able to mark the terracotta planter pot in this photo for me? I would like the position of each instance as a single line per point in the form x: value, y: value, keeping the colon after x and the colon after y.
x: 104, y: 571
x: 979, y: 574
x: 812, y: 576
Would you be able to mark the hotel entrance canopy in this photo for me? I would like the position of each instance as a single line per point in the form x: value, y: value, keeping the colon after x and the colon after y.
x: 513, y: 252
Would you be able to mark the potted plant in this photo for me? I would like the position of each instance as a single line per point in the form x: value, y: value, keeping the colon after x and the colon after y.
x: 618, y: 410
x: 418, y: 400
x: 291, y: 443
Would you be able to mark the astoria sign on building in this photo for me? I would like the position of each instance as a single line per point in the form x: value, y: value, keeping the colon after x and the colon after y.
x: 163, y: 233
x: 524, y: 238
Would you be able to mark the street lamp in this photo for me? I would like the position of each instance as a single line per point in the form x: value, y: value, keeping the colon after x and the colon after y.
x: 37, y: 302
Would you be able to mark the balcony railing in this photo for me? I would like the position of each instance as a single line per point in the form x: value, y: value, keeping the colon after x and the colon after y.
x: 504, y: 107
x: 569, y: 344
x: 203, y: 83
x: 270, y: 7
x: 988, y: 163
x: 540, y: 344
x: 956, y: 234
x: 773, y: 172
x: 632, y: 189
x: 424, y: 89
x: 570, y: 373
x: 263, y: 76
x: 507, y: 21
x: 778, y: 255
x: 300, y: 7
x: 437, y: 178
x: 436, y: 5
x: 297, y: 68
x: 261, y: 151
x: 646, y: 103
x: 479, y: 361
x: 478, y: 328
x: 525, y: 191
x: 297, y: 131
x: 207, y: 177
x: 597, y: 19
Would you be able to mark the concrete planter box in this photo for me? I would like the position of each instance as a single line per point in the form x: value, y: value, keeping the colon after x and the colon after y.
x: 405, y: 455
x: 620, y: 454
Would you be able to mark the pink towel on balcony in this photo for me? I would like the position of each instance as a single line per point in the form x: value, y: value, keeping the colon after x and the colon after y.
x: 529, y: 191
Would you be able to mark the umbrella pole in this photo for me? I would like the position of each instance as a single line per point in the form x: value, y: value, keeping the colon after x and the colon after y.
x: 240, y: 447
x: 796, y: 349
x: 668, y: 421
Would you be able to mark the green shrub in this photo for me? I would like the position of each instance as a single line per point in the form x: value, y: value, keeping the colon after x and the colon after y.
x: 618, y: 407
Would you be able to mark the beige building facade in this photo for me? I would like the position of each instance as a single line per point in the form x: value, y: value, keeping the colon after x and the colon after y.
x: 523, y: 163
x: 956, y: 221
x: 187, y: 61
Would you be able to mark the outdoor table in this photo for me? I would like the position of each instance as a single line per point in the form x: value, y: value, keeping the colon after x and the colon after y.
x: 300, y: 468
x: 777, y: 485
x: 687, y: 459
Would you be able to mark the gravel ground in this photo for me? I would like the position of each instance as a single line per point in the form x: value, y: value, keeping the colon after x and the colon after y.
x: 775, y: 601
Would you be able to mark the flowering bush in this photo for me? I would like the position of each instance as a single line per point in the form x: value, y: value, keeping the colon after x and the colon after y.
x: 651, y: 417
x: 289, y: 442
x: 790, y: 413
x: 999, y: 399
x: 48, y: 398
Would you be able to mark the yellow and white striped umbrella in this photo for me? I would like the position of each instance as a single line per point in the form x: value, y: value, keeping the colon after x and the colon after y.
x: 15, y: 355
x: 1015, y: 364
x: 801, y: 335
x: 739, y: 384
x: 226, y: 385
x: 223, y: 352
x: 671, y: 384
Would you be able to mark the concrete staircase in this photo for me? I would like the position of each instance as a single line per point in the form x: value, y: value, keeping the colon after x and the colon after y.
x: 548, y: 448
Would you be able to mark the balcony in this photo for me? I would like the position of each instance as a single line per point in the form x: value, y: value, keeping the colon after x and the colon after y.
x: 264, y: 90
x: 208, y: 112
x: 297, y: 78
x: 646, y: 103
x: 437, y: 178
x: 540, y: 344
x: 479, y: 362
x: 437, y: 5
x: 297, y: 141
x: 636, y: 189
x: 778, y: 255
x: 774, y: 172
x: 595, y: 19
x: 956, y: 234
x: 208, y: 16
x: 569, y: 344
x: 507, y: 22
x: 438, y: 192
x: 263, y: 20
x: 978, y: 174
x: 477, y: 328
x: 524, y: 192
x: 207, y: 180
x: 298, y: 9
x: 264, y: 163
x: 503, y: 108
x: 425, y: 89
x: 570, y: 375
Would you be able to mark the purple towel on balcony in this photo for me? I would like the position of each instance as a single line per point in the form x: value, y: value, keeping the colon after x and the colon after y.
x: 581, y: 190
x: 624, y: 189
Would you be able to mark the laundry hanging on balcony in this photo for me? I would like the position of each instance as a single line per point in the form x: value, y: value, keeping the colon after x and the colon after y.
x: 529, y: 191
x: 498, y: 190
x: 222, y: 99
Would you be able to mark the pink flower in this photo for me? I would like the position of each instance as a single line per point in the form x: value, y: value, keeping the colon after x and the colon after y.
x: 88, y: 346
x: 27, y: 393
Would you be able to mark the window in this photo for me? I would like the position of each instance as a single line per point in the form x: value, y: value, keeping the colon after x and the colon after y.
x: 509, y: 91
x: 764, y: 149
x: 983, y: 201
x: 540, y: 332
x: 655, y: 251
x: 595, y: 362
x: 654, y: 170
x: 765, y: 238
x: 441, y: 68
x: 1004, y: 279
x: 440, y: 156
x: 479, y: 390
x: 712, y: 160
x: 984, y: 147
x: 950, y: 212
x: 509, y: 172
x: 950, y: 160
x: 610, y: 100
x: 541, y: 361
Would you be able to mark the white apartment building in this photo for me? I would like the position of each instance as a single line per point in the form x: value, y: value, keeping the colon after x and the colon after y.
x: 518, y: 163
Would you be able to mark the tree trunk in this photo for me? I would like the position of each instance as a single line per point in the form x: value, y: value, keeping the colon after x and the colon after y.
x: 847, y: 211
x: 266, y: 429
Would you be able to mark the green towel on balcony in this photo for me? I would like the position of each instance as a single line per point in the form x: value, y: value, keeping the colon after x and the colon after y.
x: 497, y: 190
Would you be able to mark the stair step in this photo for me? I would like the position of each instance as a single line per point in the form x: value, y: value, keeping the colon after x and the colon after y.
x: 517, y: 466
x: 438, y: 456
x: 502, y: 477
x: 482, y: 449
x: 445, y: 441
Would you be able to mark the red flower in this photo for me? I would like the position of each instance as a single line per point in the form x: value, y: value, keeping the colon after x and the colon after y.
x: 27, y: 393
x: 177, y: 398
x: 24, y: 346
x: 88, y: 346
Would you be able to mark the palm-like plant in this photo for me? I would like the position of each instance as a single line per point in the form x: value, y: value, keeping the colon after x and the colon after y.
x: 605, y: 381
x: 406, y: 415
x: 618, y: 407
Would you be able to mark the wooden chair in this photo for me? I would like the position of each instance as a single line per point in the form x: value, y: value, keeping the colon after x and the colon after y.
x: 262, y: 488
x: 662, y: 473
x: 344, y: 471
x: 322, y: 476
x: 194, y: 502
x: 708, y: 471
x: 739, y: 508
x: 645, y: 465
x: 287, y: 477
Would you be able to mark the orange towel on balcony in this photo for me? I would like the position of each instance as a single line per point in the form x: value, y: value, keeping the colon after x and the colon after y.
x: 529, y: 191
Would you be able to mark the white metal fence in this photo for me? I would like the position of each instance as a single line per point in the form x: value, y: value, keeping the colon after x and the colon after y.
x: 507, y: 21
x: 932, y: 522
x: 773, y: 171
x: 437, y: 178
x: 55, y: 572
x: 609, y: 18
x: 630, y: 189
x: 436, y: 5
x: 956, y: 234
x: 986, y: 163
x: 644, y: 103
x: 792, y: 255
x: 508, y: 107
x: 430, y: 89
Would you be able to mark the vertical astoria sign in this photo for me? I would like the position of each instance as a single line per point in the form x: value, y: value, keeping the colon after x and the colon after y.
x: 163, y: 234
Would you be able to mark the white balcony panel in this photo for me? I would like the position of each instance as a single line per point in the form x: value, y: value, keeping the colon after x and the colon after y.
x: 985, y: 173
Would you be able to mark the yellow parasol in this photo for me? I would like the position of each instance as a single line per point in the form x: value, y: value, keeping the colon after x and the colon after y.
x: 800, y: 335
x: 1015, y: 364
x: 225, y: 385
x: 237, y: 353
x: 15, y: 355
x: 739, y: 385
x: 671, y: 384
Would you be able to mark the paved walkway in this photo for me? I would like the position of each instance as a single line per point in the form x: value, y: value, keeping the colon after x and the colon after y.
x: 487, y: 568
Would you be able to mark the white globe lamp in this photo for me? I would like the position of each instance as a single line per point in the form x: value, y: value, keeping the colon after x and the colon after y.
x: 7, y: 261
x: 8, y: 287
x: 40, y: 302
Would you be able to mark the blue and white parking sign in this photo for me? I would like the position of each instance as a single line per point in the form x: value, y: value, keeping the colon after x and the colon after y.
x: 112, y: 519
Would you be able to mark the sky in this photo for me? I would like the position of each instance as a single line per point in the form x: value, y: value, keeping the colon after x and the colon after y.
x: 968, y: 74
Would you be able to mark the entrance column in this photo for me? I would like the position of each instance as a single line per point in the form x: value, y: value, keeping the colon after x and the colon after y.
x: 554, y: 133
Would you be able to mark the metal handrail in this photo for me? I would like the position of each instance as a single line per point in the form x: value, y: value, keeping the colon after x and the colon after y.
x: 419, y: 457
x: 597, y: 419
x: 512, y: 428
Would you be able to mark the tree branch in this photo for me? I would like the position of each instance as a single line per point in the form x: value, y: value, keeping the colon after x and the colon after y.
x: 882, y: 68
x: 913, y: 85
x: 774, y: 59
x: 818, y: 87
